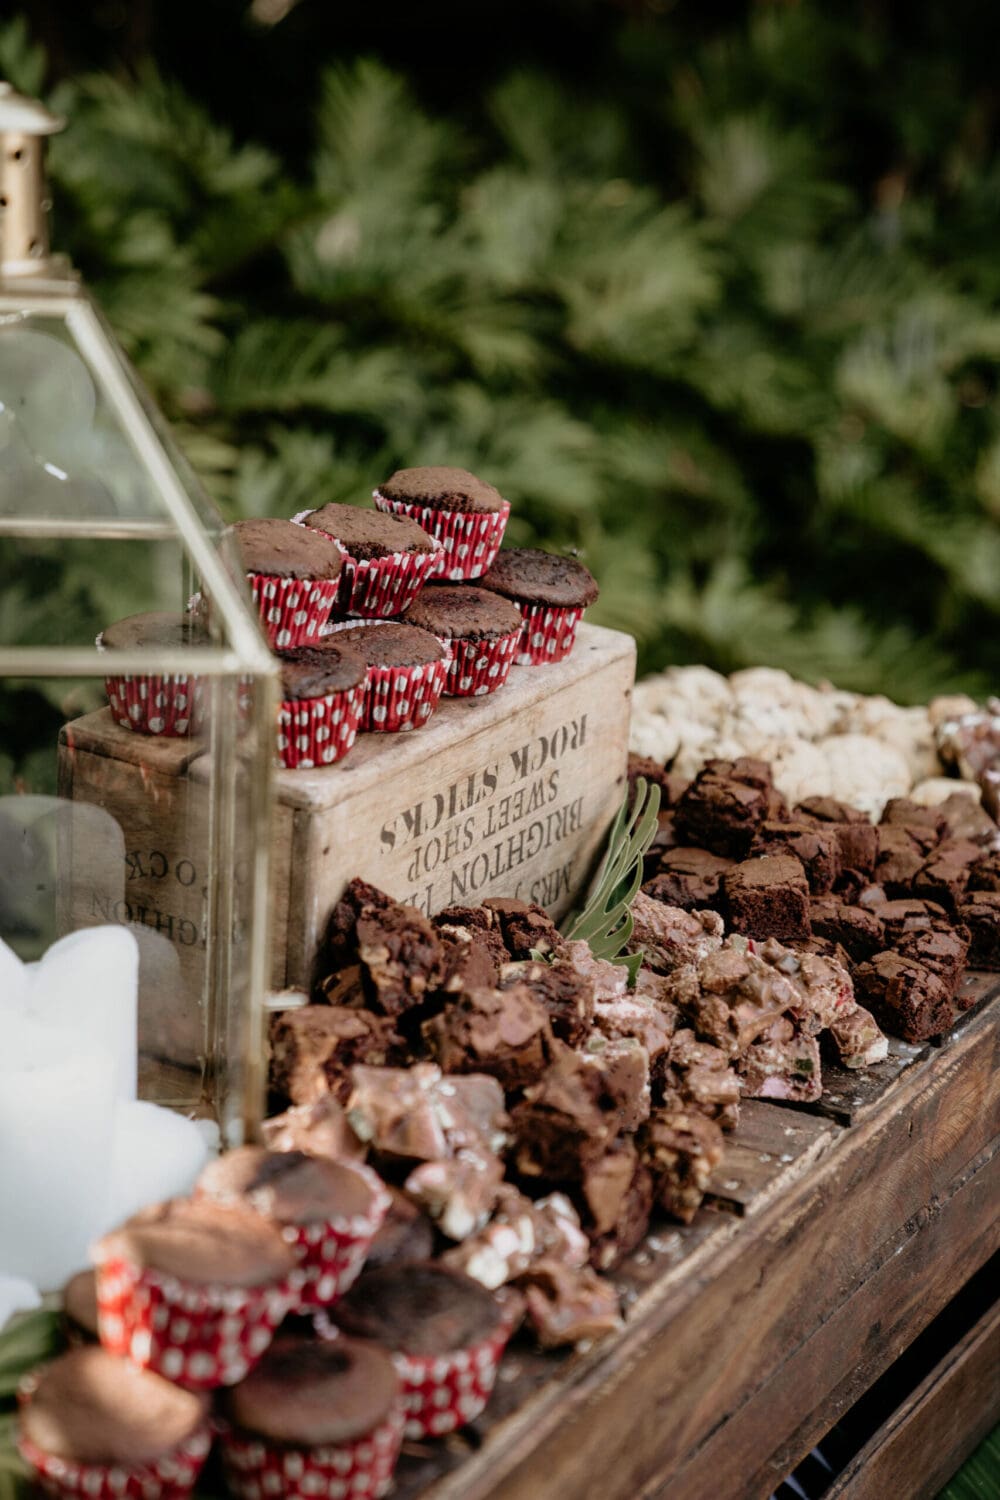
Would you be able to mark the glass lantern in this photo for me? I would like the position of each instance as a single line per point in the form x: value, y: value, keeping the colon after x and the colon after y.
x: 134, y: 779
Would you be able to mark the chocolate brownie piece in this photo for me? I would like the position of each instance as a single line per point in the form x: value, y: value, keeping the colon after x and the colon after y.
x: 943, y: 949
x: 699, y: 1076
x: 503, y: 1033
x: 339, y: 947
x: 526, y: 928
x: 900, y: 917
x: 816, y: 847
x: 314, y: 1047
x: 733, y: 997
x: 467, y: 963
x: 906, y: 997
x: 567, y: 995
x: 725, y: 805
x: 401, y: 955
x: 967, y: 819
x: 859, y: 1040
x: 784, y: 1063
x: 689, y: 878
x: 768, y: 897
x: 985, y: 873
x: 849, y: 885
x: 475, y: 922
x: 559, y: 1125
x: 671, y: 785
x: 855, y: 833
x: 980, y: 913
x: 912, y: 815
x: 618, y: 1194
x: 664, y: 838
x: 943, y: 878
x: 898, y: 860
x: 668, y: 936
x: 858, y: 930
x: 682, y: 1148
x: 622, y: 1066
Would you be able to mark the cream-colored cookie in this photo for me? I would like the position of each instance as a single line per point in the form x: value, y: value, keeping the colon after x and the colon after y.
x: 865, y: 771
x: 799, y: 768
x: 653, y: 735
x: 950, y: 706
x: 939, y: 788
x: 699, y: 745
x: 695, y: 693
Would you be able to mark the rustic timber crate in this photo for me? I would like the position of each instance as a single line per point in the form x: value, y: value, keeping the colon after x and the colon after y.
x: 505, y: 795
x: 833, y: 1235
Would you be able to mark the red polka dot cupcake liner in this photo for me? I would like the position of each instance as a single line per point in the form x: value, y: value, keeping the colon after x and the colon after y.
x: 547, y: 634
x: 163, y: 706
x: 358, y: 1470
x: 442, y: 1392
x: 318, y: 731
x: 167, y: 1478
x: 196, y: 1336
x: 471, y: 540
x: 400, y: 698
x: 377, y: 588
x: 479, y: 667
x: 332, y: 1254
x: 293, y: 611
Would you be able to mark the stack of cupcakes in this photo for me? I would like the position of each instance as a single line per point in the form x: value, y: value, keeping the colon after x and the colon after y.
x: 377, y: 614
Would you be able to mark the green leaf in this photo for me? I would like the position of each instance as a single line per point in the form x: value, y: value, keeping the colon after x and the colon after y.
x: 28, y: 1340
x: 605, y: 921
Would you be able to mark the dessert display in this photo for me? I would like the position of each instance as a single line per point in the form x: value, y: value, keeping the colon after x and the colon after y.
x: 294, y: 576
x: 407, y: 672
x: 153, y: 703
x: 464, y: 514
x: 314, y: 1418
x: 322, y: 700
x: 552, y: 593
x: 481, y: 630
x: 387, y: 557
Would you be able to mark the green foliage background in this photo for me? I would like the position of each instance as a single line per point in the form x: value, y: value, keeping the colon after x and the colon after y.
x: 711, y: 297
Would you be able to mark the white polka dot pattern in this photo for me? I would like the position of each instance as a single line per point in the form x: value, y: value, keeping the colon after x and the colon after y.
x: 166, y: 1478
x: 315, y: 732
x: 377, y: 588
x: 470, y: 540
x: 547, y: 634
x: 400, y: 698
x: 293, y: 610
x: 331, y: 1254
x: 358, y: 1470
x: 164, y: 706
x: 480, y: 667
x: 443, y: 1392
x: 202, y: 1336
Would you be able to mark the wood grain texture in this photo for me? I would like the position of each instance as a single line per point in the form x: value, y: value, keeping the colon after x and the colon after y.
x: 935, y: 1429
x: 768, y: 1151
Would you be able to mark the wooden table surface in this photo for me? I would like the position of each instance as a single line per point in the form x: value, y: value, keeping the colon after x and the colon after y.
x: 834, y: 1233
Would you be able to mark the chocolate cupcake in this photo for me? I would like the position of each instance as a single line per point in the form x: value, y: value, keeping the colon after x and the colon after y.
x: 407, y: 671
x: 328, y: 1211
x: 151, y: 703
x: 294, y: 576
x: 481, y: 629
x: 314, y: 1418
x: 551, y: 592
x: 466, y: 515
x: 94, y: 1425
x: 194, y: 1291
x: 446, y: 1331
x: 322, y: 700
x: 387, y: 557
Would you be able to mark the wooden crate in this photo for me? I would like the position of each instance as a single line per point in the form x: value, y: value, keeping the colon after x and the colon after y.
x: 833, y: 1235
x: 509, y: 794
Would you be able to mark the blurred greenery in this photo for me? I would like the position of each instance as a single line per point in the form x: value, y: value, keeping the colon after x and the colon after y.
x: 709, y: 292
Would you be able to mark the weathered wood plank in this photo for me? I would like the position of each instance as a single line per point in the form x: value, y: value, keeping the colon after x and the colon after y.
x: 768, y: 1151
x: 850, y: 1094
x: 935, y: 1429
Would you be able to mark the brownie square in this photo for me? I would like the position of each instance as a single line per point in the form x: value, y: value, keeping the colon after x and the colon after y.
x: 967, y: 819
x: 906, y: 814
x: 906, y: 997
x: 898, y: 859
x: 688, y: 878
x: 525, y: 927
x: 981, y: 915
x: 559, y: 1126
x: 467, y: 963
x: 314, y: 1047
x: 768, y: 897
x: 663, y: 839
x: 945, y: 950
x: 503, y: 1033
x: 858, y: 930
x: 817, y: 849
x: 566, y: 995
x: 944, y: 876
x: 900, y: 917
x: 985, y: 873
x: 855, y: 833
x: 671, y: 785
x: 725, y: 805
x: 401, y: 955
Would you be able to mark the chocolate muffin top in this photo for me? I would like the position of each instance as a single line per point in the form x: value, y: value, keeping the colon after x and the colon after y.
x: 370, y: 533
x: 312, y: 671
x: 392, y: 645
x: 417, y: 1307
x: 461, y: 611
x: 524, y: 573
x: 307, y: 1392
x: 287, y: 1186
x: 80, y: 1302
x: 201, y: 1242
x: 442, y: 488
x: 285, y: 550
x: 93, y: 1408
x: 162, y: 629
